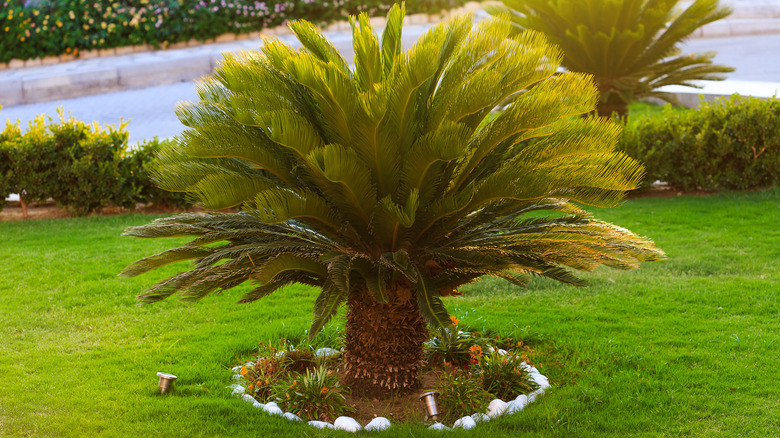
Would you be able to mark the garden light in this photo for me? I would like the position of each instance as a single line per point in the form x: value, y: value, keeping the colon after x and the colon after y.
x: 166, y: 382
x: 430, y: 404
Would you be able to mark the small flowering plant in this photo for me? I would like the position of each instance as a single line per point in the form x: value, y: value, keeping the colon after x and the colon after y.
x: 505, y: 375
x: 312, y: 396
x: 262, y: 377
x: 454, y: 347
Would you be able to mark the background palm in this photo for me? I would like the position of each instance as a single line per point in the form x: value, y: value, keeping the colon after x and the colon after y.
x: 631, y: 47
x: 387, y: 185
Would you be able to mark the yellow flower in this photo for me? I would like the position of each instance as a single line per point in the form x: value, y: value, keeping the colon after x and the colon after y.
x: 454, y: 320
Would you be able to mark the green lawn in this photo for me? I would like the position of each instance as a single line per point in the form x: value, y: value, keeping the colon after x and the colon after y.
x: 688, y: 346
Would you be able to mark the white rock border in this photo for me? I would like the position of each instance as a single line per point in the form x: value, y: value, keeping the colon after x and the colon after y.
x: 495, y: 409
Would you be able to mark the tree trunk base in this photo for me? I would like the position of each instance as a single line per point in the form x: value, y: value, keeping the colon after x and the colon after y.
x: 384, y: 346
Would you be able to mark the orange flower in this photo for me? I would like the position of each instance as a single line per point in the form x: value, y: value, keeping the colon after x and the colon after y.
x: 454, y: 320
x: 243, y: 371
x: 250, y: 387
x: 324, y: 390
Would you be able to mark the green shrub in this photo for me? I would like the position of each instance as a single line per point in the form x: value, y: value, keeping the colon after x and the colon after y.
x: 9, y: 138
x: 90, y: 175
x: 36, y: 159
x: 56, y: 27
x: 727, y: 144
x: 83, y: 167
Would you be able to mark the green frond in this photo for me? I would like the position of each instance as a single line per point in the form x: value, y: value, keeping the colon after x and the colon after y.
x: 430, y: 305
x: 347, y: 181
x: 368, y: 59
x: 325, y: 306
x: 315, y: 42
x: 265, y: 273
x: 391, y: 37
x: 174, y: 255
x: 373, y: 278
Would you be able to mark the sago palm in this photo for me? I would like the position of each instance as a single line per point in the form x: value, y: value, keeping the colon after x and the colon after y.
x: 631, y: 47
x: 387, y: 186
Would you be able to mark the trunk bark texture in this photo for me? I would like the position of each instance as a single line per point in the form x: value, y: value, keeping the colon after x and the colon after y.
x: 613, y: 105
x: 384, y: 344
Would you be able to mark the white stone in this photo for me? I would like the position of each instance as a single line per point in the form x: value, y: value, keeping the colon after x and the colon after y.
x: 292, y: 417
x: 513, y: 406
x: 236, y: 369
x: 465, y: 422
x: 247, y: 398
x: 502, y: 352
x: 348, y: 424
x: 272, y: 404
x: 522, y: 400
x: 378, y: 423
x: 272, y: 410
x: 326, y: 352
x: 237, y: 389
x: 532, y: 397
x: 479, y: 417
x: 257, y: 404
x: 496, y: 408
x: 321, y: 425
x: 438, y: 426
x: 541, y: 380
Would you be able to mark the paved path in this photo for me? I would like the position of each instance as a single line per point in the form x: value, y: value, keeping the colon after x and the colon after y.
x: 150, y: 110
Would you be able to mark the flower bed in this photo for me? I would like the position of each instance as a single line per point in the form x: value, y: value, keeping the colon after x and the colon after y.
x: 70, y: 28
x: 475, y: 381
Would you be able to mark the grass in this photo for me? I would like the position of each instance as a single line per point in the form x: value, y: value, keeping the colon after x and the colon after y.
x: 688, y: 346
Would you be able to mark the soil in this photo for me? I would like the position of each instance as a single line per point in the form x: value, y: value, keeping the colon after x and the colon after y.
x: 49, y: 210
x: 397, y: 409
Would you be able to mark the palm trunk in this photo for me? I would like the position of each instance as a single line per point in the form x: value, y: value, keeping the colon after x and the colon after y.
x: 612, y: 106
x: 384, y: 344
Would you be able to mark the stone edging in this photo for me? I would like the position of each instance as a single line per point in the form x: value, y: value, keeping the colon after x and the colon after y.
x: 229, y: 37
x: 496, y: 408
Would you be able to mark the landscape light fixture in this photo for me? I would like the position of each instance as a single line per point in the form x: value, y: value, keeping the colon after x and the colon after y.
x: 430, y: 404
x: 166, y: 382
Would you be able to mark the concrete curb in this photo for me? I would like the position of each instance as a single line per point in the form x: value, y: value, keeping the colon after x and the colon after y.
x: 689, y: 97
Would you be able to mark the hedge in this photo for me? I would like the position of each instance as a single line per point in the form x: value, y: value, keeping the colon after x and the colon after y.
x: 57, y: 27
x: 83, y: 167
x: 732, y: 143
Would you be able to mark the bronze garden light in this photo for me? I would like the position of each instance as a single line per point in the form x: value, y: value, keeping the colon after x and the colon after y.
x: 166, y: 382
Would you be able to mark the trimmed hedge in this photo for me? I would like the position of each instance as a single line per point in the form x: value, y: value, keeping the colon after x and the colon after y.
x: 83, y: 167
x: 728, y: 144
x: 56, y: 27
